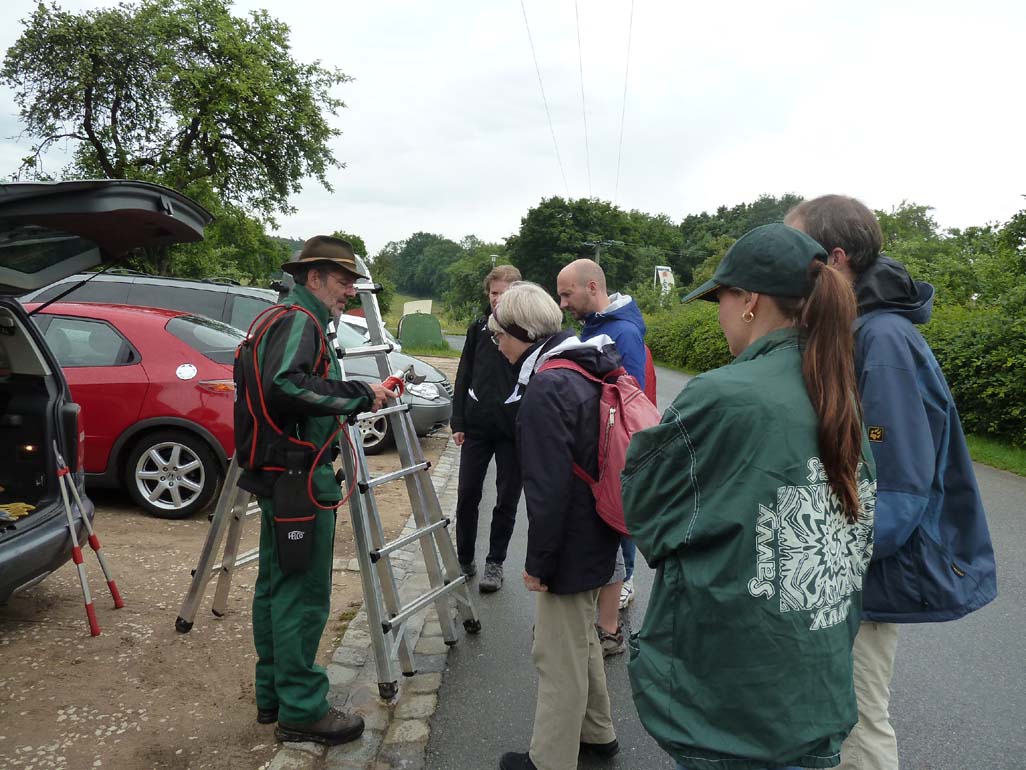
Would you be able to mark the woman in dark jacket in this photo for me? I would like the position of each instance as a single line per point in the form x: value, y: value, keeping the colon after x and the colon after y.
x: 482, y: 426
x: 570, y: 551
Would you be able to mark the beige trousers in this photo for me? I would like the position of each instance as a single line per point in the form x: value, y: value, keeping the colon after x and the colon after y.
x: 871, y: 744
x: 573, y: 704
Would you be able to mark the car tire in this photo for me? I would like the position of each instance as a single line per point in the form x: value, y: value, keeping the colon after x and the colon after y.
x: 377, y: 434
x: 171, y: 474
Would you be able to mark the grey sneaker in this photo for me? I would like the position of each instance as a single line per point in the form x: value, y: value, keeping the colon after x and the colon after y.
x: 491, y: 581
x: 468, y: 569
x: 612, y: 644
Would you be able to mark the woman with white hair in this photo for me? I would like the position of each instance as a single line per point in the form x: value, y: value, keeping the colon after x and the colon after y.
x: 570, y: 551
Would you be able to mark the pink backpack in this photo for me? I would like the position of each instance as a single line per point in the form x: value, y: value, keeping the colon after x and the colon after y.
x: 623, y: 410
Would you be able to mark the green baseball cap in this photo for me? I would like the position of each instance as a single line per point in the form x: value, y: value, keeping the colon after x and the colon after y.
x: 772, y: 259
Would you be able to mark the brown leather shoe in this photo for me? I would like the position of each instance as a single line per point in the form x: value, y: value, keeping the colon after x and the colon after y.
x: 331, y: 729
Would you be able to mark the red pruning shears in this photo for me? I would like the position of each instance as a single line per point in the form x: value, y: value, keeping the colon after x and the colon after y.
x: 397, y: 382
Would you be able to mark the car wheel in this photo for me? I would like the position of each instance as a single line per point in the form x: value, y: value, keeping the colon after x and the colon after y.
x: 377, y: 434
x: 171, y: 474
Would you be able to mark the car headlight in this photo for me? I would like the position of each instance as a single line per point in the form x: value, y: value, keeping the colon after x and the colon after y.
x: 425, y: 390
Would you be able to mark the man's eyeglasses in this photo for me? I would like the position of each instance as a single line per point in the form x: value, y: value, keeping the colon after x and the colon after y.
x: 495, y: 337
x: 345, y: 284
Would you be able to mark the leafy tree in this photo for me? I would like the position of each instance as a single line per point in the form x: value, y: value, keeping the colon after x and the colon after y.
x: 701, y: 233
x: 355, y: 240
x: 557, y: 231
x: 179, y: 92
x: 465, y: 298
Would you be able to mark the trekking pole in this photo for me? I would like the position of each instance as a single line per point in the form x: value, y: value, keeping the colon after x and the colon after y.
x: 76, y: 551
x: 94, y: 541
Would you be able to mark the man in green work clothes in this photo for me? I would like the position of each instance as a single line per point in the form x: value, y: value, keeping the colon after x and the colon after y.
x: 289, y: 397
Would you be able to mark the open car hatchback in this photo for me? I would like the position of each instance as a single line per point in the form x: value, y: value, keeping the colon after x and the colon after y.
x: 49, y: 230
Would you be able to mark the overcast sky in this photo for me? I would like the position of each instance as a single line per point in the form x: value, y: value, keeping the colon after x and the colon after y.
x: 445, y: 129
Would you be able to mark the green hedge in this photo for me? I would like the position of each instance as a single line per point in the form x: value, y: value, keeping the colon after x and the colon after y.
x: 982, y: 352
x: 688, y: 336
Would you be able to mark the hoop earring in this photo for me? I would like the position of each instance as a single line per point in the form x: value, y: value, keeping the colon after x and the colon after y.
x: 748, y: 316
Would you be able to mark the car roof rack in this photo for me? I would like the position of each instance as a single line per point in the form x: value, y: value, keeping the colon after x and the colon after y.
x: 223, y: 281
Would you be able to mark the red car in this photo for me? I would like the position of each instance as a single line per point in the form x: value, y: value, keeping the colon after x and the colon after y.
x: 156, y: 392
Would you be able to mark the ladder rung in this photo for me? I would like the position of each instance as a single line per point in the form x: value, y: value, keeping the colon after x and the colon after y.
x: 377, y: 481
x: 406, y: 539
x: 243, y: 558
x: 366, y: 350
x: 420, y: 603
x: 382, y: 412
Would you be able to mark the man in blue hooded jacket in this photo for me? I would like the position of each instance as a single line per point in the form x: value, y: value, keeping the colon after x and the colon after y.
x: 581, y: 286
x: 932, y: 555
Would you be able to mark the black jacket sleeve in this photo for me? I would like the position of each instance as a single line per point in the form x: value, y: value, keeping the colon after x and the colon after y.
x: 464, y: 376
x: 548, y: 420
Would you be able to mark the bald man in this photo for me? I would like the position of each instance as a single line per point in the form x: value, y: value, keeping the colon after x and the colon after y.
x: 581, y: 286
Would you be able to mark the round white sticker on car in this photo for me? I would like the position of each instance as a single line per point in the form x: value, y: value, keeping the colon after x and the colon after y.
x: 185, y: 372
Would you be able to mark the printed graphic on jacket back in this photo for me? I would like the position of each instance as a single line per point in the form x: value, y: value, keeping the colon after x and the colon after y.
x: 808, y: 553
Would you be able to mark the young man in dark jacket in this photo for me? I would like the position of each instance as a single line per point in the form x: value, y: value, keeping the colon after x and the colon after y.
x: 582, y: 291
x: 570, y: 550
x: 482, y: 426
x: 301, y: 396
x: 932, y: 555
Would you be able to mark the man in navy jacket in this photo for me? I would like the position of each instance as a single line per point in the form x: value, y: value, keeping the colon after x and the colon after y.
x: 932, y: 555
x: 581, y: 286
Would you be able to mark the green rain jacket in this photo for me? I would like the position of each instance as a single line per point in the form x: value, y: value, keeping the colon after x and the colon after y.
x: 744, y: 659
x: 305, y: 394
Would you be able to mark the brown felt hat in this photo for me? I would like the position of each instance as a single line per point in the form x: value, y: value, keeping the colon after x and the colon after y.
x: 325, y: 248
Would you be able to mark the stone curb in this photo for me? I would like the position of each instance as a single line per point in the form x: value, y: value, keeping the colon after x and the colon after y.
x: 396, y: 732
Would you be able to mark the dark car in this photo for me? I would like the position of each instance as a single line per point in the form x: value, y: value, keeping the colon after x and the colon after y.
x: 48, y: 231
x: 430, y: 402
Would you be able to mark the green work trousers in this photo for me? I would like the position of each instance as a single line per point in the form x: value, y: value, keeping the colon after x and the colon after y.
x: 289, y: 615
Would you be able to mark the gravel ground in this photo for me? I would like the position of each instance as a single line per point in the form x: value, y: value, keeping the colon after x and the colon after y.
x: 141, y: 695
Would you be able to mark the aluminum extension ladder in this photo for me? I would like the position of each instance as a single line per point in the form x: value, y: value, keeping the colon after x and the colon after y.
x: 386, y: 614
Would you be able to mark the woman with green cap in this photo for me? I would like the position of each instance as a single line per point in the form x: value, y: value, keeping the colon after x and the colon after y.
x: 754, y: 499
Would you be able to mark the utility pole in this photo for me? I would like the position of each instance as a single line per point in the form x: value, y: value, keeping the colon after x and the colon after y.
x: 598, y: 247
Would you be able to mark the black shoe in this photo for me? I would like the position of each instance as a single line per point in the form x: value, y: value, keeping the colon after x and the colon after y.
x: 603, y: 750
x: 267, y: 716
x: 468, y: 569
x: 513, y: 761
x: 331, y: 729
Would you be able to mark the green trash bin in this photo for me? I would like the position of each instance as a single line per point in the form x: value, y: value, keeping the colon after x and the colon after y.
x: 420, y: 330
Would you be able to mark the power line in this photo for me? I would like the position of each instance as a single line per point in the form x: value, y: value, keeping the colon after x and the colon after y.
x: 623, y: 109
x: 545, y: 101
x: 584, y: 111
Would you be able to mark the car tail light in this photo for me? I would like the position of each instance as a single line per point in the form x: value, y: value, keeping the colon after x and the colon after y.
x: 217, y: 386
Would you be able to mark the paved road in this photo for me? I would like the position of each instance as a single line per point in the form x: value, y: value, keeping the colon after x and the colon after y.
x: 959, y: 689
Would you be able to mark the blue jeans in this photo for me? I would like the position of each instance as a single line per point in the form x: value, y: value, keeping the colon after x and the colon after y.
x: 629, y: 551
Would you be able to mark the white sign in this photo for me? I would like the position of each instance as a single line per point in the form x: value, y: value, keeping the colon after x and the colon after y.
x: 417, y: 306
x: 664, y: 278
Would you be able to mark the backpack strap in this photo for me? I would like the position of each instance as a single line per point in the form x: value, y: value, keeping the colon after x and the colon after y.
x: 565, y: 363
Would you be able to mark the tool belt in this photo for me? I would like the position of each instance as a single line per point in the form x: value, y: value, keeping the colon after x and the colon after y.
x: 295, y: 516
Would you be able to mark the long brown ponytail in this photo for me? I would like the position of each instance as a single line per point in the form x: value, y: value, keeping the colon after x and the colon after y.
x: 825, y: 318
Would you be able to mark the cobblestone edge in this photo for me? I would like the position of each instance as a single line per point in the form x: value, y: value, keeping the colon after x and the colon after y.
x: 396, y: 732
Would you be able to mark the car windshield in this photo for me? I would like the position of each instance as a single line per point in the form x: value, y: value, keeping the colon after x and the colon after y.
x: 215, y: 340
